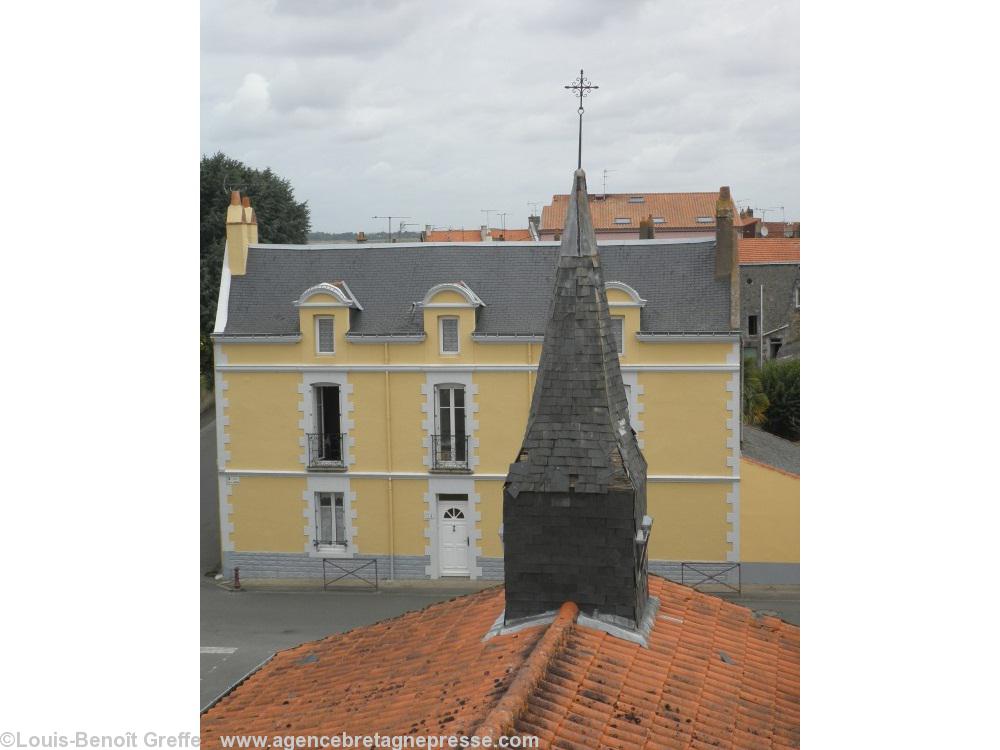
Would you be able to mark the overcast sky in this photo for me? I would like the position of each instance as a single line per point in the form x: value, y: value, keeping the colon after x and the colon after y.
x: 436, y: 110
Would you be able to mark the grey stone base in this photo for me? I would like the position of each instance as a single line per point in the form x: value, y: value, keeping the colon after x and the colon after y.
x: 414, y: 567
x: 492, y: 568
x: 289, y: 565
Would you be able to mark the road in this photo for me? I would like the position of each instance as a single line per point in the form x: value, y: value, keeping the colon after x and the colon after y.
x: 239, y: 629
x: 210, y: 554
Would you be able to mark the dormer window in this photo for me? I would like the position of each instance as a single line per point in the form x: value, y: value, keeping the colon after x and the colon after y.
x: 622, y: 220
x: 449, y: 335
x: 324, y: 334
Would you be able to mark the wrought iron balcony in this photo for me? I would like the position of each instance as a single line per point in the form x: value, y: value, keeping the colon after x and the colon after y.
x: 450, y: 453
x: 326, y: 450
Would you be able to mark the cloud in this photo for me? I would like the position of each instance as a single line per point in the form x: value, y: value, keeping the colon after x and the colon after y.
x: 437, y: 110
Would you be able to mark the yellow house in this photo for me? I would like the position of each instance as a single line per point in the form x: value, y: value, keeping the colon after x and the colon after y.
x: 371, y: 397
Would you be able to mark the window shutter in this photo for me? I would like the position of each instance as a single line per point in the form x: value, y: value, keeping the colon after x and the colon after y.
x: 449, y: 335
x: 324, y: 335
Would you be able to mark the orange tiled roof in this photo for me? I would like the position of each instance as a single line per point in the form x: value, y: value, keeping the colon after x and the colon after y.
x: 681, y: 211
x: 512, y: 235
x: 713, y: 675
x: 473, y: 235
x: 454, y: 235
x: 769, y: 250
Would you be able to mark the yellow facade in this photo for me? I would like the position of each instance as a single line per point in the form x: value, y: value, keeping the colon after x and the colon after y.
x: 769, y: 514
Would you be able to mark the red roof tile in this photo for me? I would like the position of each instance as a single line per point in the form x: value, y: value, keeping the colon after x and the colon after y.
x: 712, y: 676
x: 769, y: 250
x: 474, y: 235
x: 680, y: 211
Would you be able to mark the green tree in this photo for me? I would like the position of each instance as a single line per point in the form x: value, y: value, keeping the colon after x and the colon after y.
x: 755, y: 401
x: 281, y: 220
x: 780, y: 379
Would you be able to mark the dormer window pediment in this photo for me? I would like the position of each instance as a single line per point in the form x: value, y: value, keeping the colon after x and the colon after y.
x: 451, y: 294
x: 326, y: 294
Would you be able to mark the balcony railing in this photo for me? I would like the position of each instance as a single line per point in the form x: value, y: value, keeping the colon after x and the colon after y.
x: 450, y: 452
x: 326, y: 450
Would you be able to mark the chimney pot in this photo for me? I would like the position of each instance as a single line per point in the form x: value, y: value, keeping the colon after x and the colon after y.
x: 245, y: 201
x: 234, y: 198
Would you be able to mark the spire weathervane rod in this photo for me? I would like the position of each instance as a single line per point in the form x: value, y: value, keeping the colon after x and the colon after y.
x: 581, y: 87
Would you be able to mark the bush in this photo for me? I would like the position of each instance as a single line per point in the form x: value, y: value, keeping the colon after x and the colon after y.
x: 780, y: 381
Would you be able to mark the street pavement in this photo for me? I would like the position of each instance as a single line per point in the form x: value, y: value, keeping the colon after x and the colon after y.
x: 240, y: 629
x: 210, y: 554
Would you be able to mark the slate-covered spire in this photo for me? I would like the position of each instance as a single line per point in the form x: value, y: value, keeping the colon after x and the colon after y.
x: 575, y: 498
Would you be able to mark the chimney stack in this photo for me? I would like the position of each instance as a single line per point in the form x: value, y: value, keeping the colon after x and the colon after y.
x: 574, y: 504
x: 361, y: 237
x: 241, y: 232
x: 646, y: 231
x: 484, y: 233
x: 727, y: 252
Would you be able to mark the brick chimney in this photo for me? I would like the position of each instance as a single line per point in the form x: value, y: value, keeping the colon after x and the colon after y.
x: 362, y: 237
x: 241, y: 232
x: 646, y: 231
x: 574, y: 502
x: 727, y: 252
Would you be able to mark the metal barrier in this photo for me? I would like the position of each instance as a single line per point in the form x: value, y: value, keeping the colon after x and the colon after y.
x: 711, y: 574
x: 334, y: 570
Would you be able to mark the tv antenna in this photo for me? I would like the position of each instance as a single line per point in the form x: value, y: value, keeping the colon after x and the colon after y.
x: 389, y: 219
x: 533, y: 205
x: 489, y: 211
x: 606, y: 171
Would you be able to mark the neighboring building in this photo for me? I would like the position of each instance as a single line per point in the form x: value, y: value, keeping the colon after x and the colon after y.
x: 617, y: 215
x: 370, y: 398
x: 581, y: 648
x: 754, y: 227
x: 769, y: 504
x: 769, y: 268
x: 483, y: 234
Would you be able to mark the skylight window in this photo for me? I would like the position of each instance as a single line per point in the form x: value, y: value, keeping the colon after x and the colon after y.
x: 705, y: 220
x: 659, y: 220
x: 622, y: 220
x: 637, y: 199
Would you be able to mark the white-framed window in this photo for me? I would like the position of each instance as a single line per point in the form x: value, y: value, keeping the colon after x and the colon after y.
x: 636, y: 199
x: 451, y: 443
x: 324, y: 334
x: 705, y: 220
x: 622, y: 220
x: 448, y: 332
x: 659, y: 220
x: 618, y: 328
x: 331, y: 527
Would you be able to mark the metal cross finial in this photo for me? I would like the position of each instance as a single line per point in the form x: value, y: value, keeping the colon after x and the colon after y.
x: 581, y: 87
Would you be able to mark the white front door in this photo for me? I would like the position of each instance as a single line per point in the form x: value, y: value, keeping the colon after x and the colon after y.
x: 453, y: 538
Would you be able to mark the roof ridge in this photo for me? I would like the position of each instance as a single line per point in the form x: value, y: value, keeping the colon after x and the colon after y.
x: 501, y: 718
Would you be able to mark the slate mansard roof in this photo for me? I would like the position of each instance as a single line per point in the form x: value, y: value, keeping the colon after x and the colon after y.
x: 513, y: 280
x: 714, y: 675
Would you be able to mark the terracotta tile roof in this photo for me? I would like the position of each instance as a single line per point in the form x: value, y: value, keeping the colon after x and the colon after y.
x: 713, y: 676
x: 512, y: 235
x: 769, y: 250
x: 454, y: 235
x: 473, y: 235
x: 681, y: 211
